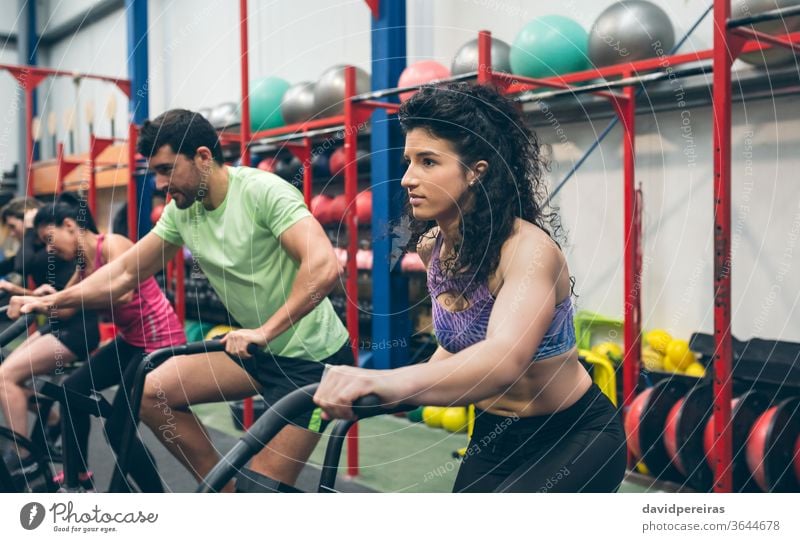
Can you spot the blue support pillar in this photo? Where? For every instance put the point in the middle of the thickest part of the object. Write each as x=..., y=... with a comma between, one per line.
x=27, y=40
x=391, y=326
x=31, y=35
x=136, y=12
x=33, y=59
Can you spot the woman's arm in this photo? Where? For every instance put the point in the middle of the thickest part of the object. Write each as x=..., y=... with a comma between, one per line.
x=60, y=313
x=520, y=317
x=11, y=288
x=109, y=284
x=439, y=355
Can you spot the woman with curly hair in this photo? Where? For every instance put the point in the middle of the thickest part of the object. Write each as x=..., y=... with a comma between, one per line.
x=502, y=305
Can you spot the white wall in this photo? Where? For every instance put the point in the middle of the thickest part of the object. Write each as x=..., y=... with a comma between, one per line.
x=99, y=48
x=52, y=13
x=12, y=101
x=194, y=46
x=675, y=169
x=8, y=18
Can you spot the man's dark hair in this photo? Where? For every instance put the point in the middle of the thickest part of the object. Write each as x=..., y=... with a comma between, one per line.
x=184, y=131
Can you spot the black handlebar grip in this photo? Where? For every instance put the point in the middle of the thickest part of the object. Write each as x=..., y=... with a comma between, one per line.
x=202, y=347
x=18, y=327
x=372, y=405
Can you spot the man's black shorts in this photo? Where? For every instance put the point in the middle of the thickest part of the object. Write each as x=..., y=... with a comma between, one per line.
x=281, y=376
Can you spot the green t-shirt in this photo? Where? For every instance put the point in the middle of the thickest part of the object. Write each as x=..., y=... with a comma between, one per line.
x=236, y=245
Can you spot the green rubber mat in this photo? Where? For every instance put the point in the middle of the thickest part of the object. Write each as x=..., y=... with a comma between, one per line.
x=394, y=454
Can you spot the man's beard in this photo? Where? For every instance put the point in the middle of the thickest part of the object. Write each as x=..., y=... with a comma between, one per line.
x=197, y=193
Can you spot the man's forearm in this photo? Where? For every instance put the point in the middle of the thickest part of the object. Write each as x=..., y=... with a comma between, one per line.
x=307, y=292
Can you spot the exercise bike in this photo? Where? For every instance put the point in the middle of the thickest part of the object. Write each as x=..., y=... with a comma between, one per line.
x=300, y=401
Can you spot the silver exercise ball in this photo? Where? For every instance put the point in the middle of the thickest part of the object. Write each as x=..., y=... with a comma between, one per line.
x=776, y=55
x=329, y=90
x=629, y=30
x=297, y=104
x=225, y=114
x=466, y=59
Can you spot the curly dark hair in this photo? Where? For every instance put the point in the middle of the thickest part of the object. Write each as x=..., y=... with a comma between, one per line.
x=482, y=124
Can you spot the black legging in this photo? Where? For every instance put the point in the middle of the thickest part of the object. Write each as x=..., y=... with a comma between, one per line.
x=579, y=449
x=115, y=363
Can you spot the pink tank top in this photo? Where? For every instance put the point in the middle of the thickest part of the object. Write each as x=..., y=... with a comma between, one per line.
x=148, y=320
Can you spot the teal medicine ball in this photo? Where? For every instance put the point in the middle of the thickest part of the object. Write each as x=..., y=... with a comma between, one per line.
x=550, y=45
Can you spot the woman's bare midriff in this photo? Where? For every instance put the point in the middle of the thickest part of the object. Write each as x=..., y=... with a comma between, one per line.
x=548, y=386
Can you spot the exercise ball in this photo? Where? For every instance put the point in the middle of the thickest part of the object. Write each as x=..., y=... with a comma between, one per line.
x=297, y=104
x=337, y=208
x=466, y=59
x=337, y=162
x=454, y=420
x=432, y=415
x=216, y=331
x=628, y=31
x=658, y=339
x=320, y=166
x=363, y=160
x=679, y=354
x=265, y=103
x=548, y=46
x=155, y=213
x=225, y=114
x=329, y=90
x=364, y=259
x=364, y=207
x=320, y=208
x=420, y=73
x=268, y=164
x=289, y=168
x=776, y=55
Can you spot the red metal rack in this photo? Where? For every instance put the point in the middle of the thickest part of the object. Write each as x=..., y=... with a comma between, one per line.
x=730, y=40
x=30, y=77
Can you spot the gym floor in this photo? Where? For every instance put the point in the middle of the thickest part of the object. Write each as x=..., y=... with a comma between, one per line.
x=394, y=454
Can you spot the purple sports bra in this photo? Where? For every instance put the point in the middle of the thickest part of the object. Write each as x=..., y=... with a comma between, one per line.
x=458, y=330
